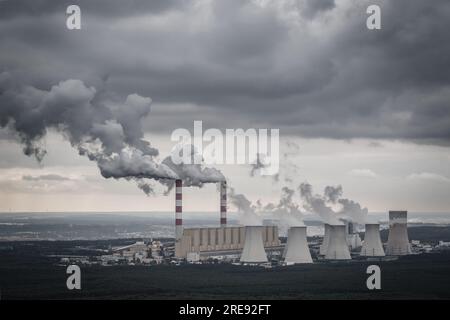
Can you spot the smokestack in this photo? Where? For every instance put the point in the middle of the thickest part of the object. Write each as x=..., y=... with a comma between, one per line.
x=337, y=246
x=398, y=242
x=372, y=246
x=223, y=204
x=253, y=251
x=178, y=209
x=297, y=250
x=326, y=239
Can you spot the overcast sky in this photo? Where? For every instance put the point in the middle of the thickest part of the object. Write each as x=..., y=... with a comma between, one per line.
x=369, y=110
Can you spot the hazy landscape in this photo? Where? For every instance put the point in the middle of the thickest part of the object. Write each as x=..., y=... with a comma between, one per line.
x=30, y=269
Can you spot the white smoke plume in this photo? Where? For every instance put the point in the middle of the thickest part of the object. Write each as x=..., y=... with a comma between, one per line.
x=317, y=204
x=192, y=174
x=101, y=127
x=323, y=205
x=286, y=210
x=248, y=215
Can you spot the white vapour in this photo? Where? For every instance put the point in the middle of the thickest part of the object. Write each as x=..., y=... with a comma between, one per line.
x=248, y=215
x=322, y=205
x=286, y=211
x=191, y=173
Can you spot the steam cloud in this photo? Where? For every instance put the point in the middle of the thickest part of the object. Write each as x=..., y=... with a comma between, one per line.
x=192, y=174
x=286, y=210
x=248, y=212
x=322, y=205
x=97, y=124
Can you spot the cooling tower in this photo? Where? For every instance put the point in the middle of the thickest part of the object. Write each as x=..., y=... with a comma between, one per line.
x=297, y=250
x=253, y=251
x=337, y=245
x=326, y=239
x=178, y=209
x=398, y=242
x=372, y=246
x=223, y=203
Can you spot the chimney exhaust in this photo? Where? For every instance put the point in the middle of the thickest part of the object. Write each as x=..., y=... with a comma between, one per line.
x=178, y=209
x=223, y=204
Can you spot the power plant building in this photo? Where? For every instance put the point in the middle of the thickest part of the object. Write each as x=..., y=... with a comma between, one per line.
x=297, y=250
x=398, y=242
x=372, y=246
x=253, y=251
x=229, y=239
x=326, y=239
x=337, y=245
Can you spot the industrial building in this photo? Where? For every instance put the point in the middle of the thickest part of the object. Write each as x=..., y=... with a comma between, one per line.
x=251, y=243
x=221, y=240
x=195, y=243
x=372, y=246
x=398, y=241
x=253, y=251
x=326, y=239
x=179, y=207
x=297, y=250
x=353, y=238
x=337, y=245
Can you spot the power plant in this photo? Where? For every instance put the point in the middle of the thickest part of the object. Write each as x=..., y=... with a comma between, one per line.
x=398, y=242
x=222, y=241
x=353, y=238
x=297, y=250
x=213, y=241
x=372, y=246
x=337, y=244
x=253, y=243
x=253, y=251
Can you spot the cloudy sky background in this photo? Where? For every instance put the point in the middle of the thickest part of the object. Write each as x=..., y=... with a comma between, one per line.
x=369, y=110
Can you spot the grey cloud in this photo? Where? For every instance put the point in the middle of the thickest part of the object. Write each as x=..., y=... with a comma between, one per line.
x=310, y=8
x=105, y=8
x=267, y=65
x=321, y=205
x=106, y=131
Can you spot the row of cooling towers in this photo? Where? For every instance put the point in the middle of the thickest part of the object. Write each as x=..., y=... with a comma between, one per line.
x=334, y=245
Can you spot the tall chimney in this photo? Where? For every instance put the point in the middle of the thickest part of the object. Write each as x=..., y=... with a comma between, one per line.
x=223, y=204
x=178, y=209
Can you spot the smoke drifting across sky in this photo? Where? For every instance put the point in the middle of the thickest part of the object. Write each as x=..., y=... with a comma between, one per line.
x=323, y=205
x=96, y=123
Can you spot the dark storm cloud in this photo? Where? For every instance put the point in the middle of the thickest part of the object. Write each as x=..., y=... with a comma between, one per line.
x=312, y=7
x=310, y=68
x=106, y=8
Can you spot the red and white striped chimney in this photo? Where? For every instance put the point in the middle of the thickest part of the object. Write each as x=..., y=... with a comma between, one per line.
x=178, y=209
x=223, y=203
